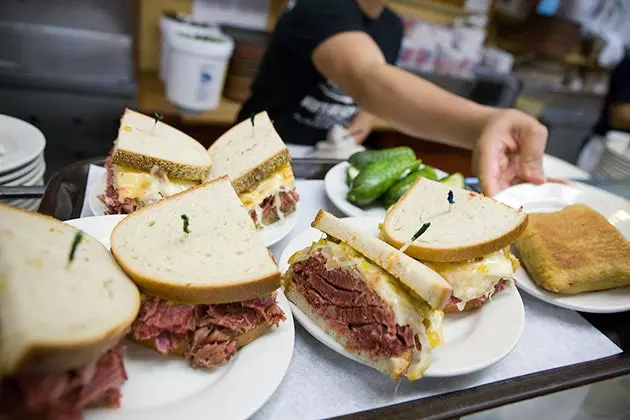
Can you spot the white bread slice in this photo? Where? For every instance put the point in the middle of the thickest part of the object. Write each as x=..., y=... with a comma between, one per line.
x=394, y=367
x=56, y=316
x=222, y=259
x=419, y=278
x=142, y=144
x=474, y=226
x=248, y=154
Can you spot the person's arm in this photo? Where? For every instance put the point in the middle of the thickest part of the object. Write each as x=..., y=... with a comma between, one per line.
x=409, y=103
x=361, y=126
x=619, y=118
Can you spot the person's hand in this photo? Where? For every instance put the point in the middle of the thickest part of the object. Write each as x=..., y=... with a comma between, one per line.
x=509, y=151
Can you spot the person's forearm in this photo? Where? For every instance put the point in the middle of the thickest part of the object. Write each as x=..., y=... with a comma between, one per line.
x=419, y=108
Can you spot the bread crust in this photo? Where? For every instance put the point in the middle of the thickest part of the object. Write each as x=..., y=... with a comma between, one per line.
x=52, y=357
x=146, y=163
x=252, y=178
x=184, y=346
x=454, y=254
x=394, y=367
x=196, y=294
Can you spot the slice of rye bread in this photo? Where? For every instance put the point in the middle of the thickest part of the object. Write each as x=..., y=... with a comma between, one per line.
x=221, y=259
x=143, y=144
x=473, y=226
x=394, y=367
x=248, y=154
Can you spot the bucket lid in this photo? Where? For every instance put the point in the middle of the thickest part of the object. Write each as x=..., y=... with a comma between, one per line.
x=202, y=42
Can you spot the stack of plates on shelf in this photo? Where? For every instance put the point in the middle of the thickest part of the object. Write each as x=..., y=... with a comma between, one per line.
x=21, y=158
x=615, y=160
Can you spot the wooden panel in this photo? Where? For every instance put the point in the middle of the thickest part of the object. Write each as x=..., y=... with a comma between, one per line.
x=430, y=11
x=147, y=34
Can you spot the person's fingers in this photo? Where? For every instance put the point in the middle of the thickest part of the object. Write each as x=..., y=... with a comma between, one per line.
x=559, y=181
x=489, y=157
x=532, y=147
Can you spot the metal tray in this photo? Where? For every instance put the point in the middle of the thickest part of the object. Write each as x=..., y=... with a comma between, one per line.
x=63, y=199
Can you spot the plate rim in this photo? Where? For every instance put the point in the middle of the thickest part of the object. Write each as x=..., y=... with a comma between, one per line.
x=269, y=390
x=308, y=324
x=539, y=293
x=38, y=138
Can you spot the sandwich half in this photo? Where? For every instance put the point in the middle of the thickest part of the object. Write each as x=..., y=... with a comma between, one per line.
x=208, y=283
x=150, y=160
x=374, y=300
x=257, y=161
x=462, y=235
x=65, y=306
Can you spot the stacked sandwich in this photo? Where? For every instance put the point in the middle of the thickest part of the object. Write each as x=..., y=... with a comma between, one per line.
x=256, y=160
x=379, y=303
x=150, y=160
x=65, y=306
x=462, y=235
x=208, y=282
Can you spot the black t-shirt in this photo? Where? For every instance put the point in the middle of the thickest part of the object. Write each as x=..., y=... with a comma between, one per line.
x=618, y=93
x=303, y=104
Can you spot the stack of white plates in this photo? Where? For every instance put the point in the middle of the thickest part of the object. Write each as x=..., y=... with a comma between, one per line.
x=615, y=160
x=21, y=158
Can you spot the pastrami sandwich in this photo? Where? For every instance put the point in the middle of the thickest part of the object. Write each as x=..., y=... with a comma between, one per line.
x=257, y=161
x=150, y=160
x=65, y=306
x=208, y=283
x=462, y=235
x=374, y=300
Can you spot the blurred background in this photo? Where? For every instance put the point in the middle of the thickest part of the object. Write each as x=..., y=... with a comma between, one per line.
x=69, y=67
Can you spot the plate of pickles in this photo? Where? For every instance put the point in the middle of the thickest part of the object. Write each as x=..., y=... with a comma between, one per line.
x=371, y=181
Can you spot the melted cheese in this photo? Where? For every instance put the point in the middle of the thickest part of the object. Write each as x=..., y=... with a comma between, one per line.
x=280, y=180
x=476, y=278
x=408, y=309
x=147, y=188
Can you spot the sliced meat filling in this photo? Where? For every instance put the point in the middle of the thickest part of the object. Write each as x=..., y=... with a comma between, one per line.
x=351, y=308
x=211, y=331
x=274, y=207
x=478, y=302
x=111, y=198
x=62, y=396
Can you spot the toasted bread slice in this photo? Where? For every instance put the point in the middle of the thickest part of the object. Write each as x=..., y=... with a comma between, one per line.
x=473, y=226
x=55, y=314
x=182, y=349
x=222, y=259
x=394, y=367
x=248, y=154
x=144, y=143
x=575, y=250
x=423, y=281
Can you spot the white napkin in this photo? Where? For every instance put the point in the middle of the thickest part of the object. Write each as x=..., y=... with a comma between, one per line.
x=339, y=144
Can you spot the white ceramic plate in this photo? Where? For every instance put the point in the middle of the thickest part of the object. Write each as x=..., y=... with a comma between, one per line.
x=168, y=388
x=554, y=197
x=25, y=170
x=558, y=168
x=32, y=178
x=337, y=190
x=270, y=235
x=20, y=143
x=472, y=339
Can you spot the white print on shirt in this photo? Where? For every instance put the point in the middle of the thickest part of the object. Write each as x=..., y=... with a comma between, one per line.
x=334, y=108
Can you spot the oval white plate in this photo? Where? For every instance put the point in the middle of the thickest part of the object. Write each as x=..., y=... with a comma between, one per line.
x=553, y=197
x=20, y=143
x=270, y=235
x=472, y=339
x=25, y=170
x=168, y=388
x=337, y=190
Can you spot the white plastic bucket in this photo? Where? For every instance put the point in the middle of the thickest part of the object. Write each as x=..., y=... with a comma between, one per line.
x=196, y=70
x=173, y=23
